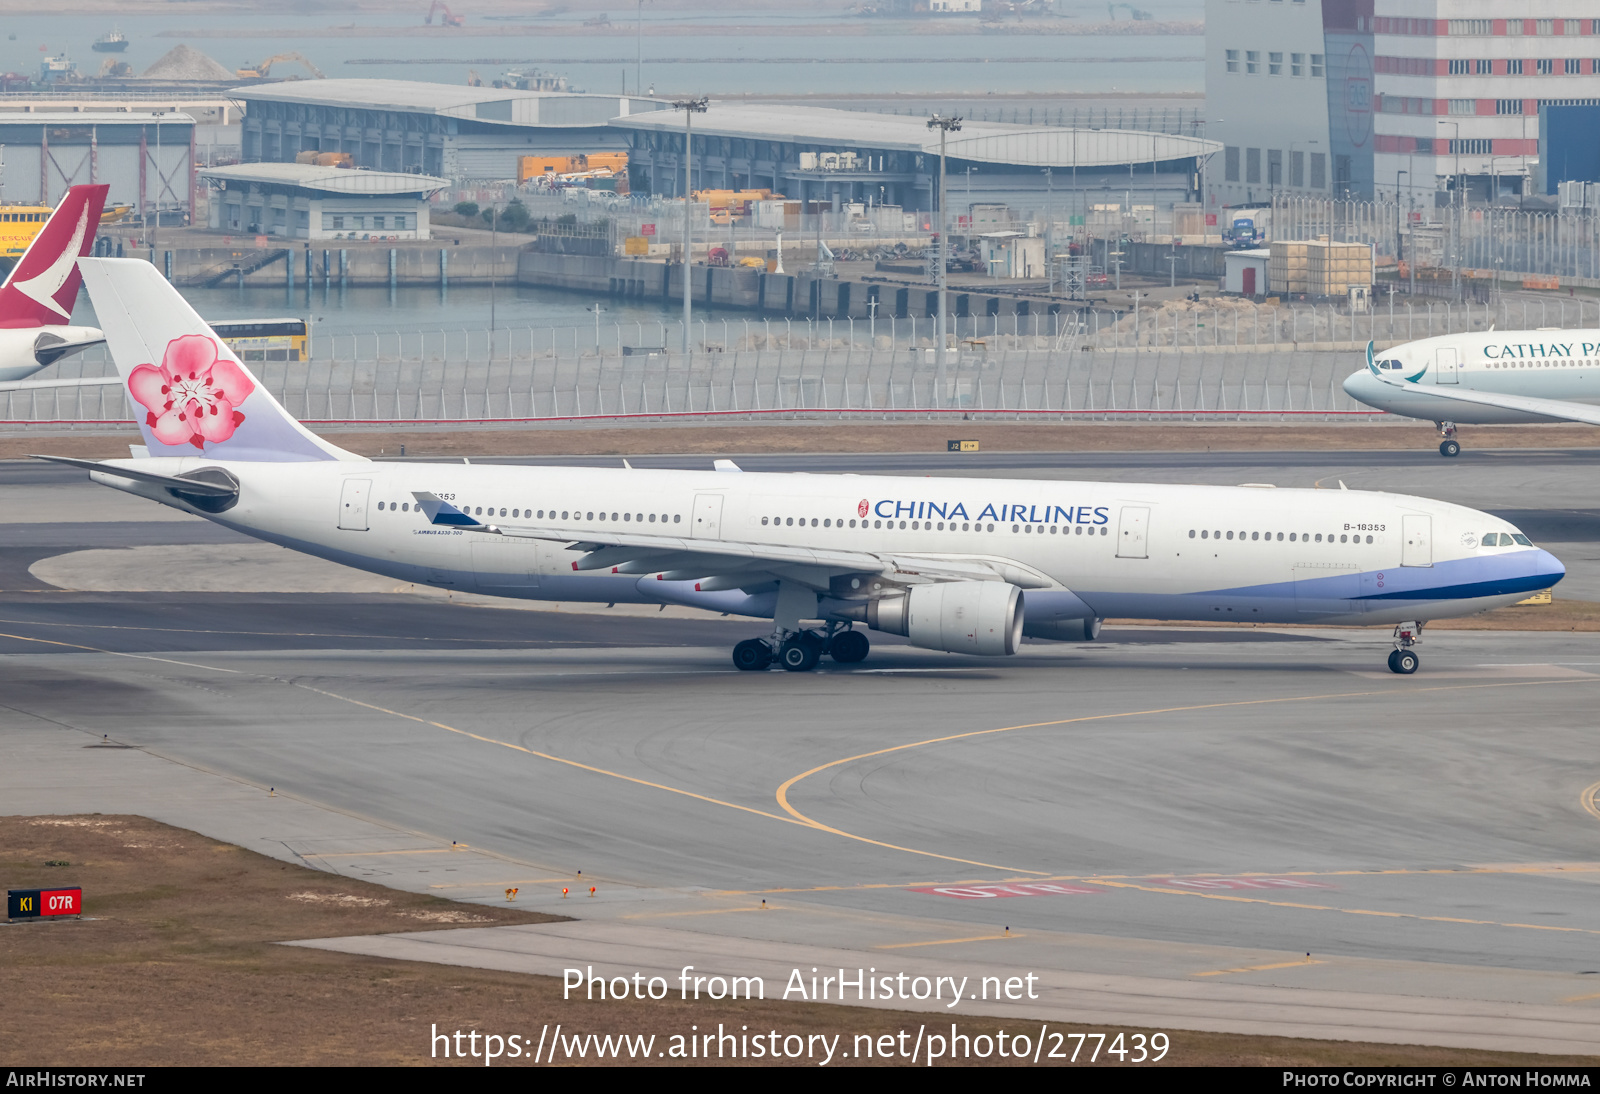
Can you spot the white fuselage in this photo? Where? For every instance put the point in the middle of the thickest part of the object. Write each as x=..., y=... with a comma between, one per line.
x=22, y=347
x=1093, y=549
x=1542, y=364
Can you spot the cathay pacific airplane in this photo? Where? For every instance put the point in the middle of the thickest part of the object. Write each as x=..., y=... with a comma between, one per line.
x=1487, y=378
x=957, y=564
x=37, y=297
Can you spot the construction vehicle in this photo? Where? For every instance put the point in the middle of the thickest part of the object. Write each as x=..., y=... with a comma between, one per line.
x=447, y=18
x=731, y=203
x=326, y=159
x=264, y=69
x=529, y=167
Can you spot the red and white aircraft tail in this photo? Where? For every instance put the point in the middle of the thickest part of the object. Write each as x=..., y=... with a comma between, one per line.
x=36, y=298
x=43, y=285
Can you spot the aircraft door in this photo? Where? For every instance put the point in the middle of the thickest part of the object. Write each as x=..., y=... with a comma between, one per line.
x=1444, y=365
x=1133, y=525
x=353, y=504
x=1416, y=540
x=707, y=516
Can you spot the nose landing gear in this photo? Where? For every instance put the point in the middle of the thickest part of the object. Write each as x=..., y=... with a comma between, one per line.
x=1449, y=447
x=1403, y=660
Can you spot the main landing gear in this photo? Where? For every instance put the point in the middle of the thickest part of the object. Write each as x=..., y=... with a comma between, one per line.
x=1403, y=659
x=1449, y=447
x=801, y=651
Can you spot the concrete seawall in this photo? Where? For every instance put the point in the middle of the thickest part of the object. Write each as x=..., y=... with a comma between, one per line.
x=361, y=265
x=797, y=295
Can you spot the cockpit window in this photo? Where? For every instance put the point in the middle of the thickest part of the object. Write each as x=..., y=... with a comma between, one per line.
x=1491, y=539
x=1520, y=538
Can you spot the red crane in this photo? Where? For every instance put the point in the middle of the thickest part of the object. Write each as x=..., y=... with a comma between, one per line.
x=447, y=17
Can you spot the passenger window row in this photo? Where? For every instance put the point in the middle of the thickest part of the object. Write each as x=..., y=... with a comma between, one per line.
x=920, y=525
x=1584, y=363
x=529, y=514
x=1294, y=537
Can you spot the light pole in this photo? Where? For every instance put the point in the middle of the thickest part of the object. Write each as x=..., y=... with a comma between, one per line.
x=690, y=108
x=155, y=232
x=1411, y=168
x=945, y=126
x=1455, y=221
x=1398, y=255
x=638, y=46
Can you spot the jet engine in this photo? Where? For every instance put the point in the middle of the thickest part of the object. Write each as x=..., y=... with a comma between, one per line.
x=978, y=617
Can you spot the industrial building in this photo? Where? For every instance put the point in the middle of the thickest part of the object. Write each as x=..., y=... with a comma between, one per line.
x=1414, y=97
x=805, y=153
x=304, y=201
x=147, y=157
x=847, y=156
x=446, y=130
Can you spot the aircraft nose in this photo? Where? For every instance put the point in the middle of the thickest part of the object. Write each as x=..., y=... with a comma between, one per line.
x=1547, y=563
x=1361, y=386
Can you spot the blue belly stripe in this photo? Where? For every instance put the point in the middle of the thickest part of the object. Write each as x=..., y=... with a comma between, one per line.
x=1470, y=590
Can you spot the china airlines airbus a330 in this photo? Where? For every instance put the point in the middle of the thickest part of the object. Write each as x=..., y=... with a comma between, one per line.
x=964, y=565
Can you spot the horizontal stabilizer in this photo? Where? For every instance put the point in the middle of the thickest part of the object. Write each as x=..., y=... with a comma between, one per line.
x=50, y=348
x=200, y=487
x=80, y=381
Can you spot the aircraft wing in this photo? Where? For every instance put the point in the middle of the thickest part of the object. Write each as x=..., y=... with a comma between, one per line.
x=733, y=563
x=1558, y=409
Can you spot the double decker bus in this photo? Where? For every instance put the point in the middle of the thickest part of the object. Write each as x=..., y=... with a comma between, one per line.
x=264, y=339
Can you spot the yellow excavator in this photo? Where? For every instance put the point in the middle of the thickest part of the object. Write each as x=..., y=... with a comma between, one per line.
x=261, y=71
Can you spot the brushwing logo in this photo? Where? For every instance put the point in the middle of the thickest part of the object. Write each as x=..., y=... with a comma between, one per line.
x=44, y=287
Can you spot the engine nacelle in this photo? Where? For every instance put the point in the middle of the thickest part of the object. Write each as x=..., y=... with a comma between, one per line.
x=978, y=617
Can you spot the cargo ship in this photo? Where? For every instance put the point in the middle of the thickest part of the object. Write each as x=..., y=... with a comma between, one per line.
x=115, y=42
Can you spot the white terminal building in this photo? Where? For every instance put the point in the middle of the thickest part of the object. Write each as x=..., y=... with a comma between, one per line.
x=304, y=201
x=1373, y=98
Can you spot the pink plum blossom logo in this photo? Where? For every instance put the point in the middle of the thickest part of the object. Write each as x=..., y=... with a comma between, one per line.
x=192, y=397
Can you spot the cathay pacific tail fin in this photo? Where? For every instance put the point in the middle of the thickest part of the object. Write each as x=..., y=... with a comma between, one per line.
x=189, y=392
x=43, y=285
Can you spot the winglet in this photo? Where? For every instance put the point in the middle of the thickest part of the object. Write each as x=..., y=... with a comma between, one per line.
x=725, y=465
x=1371, y=364
x=442, y=512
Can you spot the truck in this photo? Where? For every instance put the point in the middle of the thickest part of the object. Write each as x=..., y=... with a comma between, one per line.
x=1247, y=226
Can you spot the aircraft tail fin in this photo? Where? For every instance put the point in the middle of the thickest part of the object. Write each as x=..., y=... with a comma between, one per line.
x=188, y=390
x=43, y=285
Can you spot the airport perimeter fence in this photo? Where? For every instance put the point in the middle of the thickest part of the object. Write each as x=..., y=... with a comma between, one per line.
x=1232, y=362
x=1484, y=241
x=838, y=383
